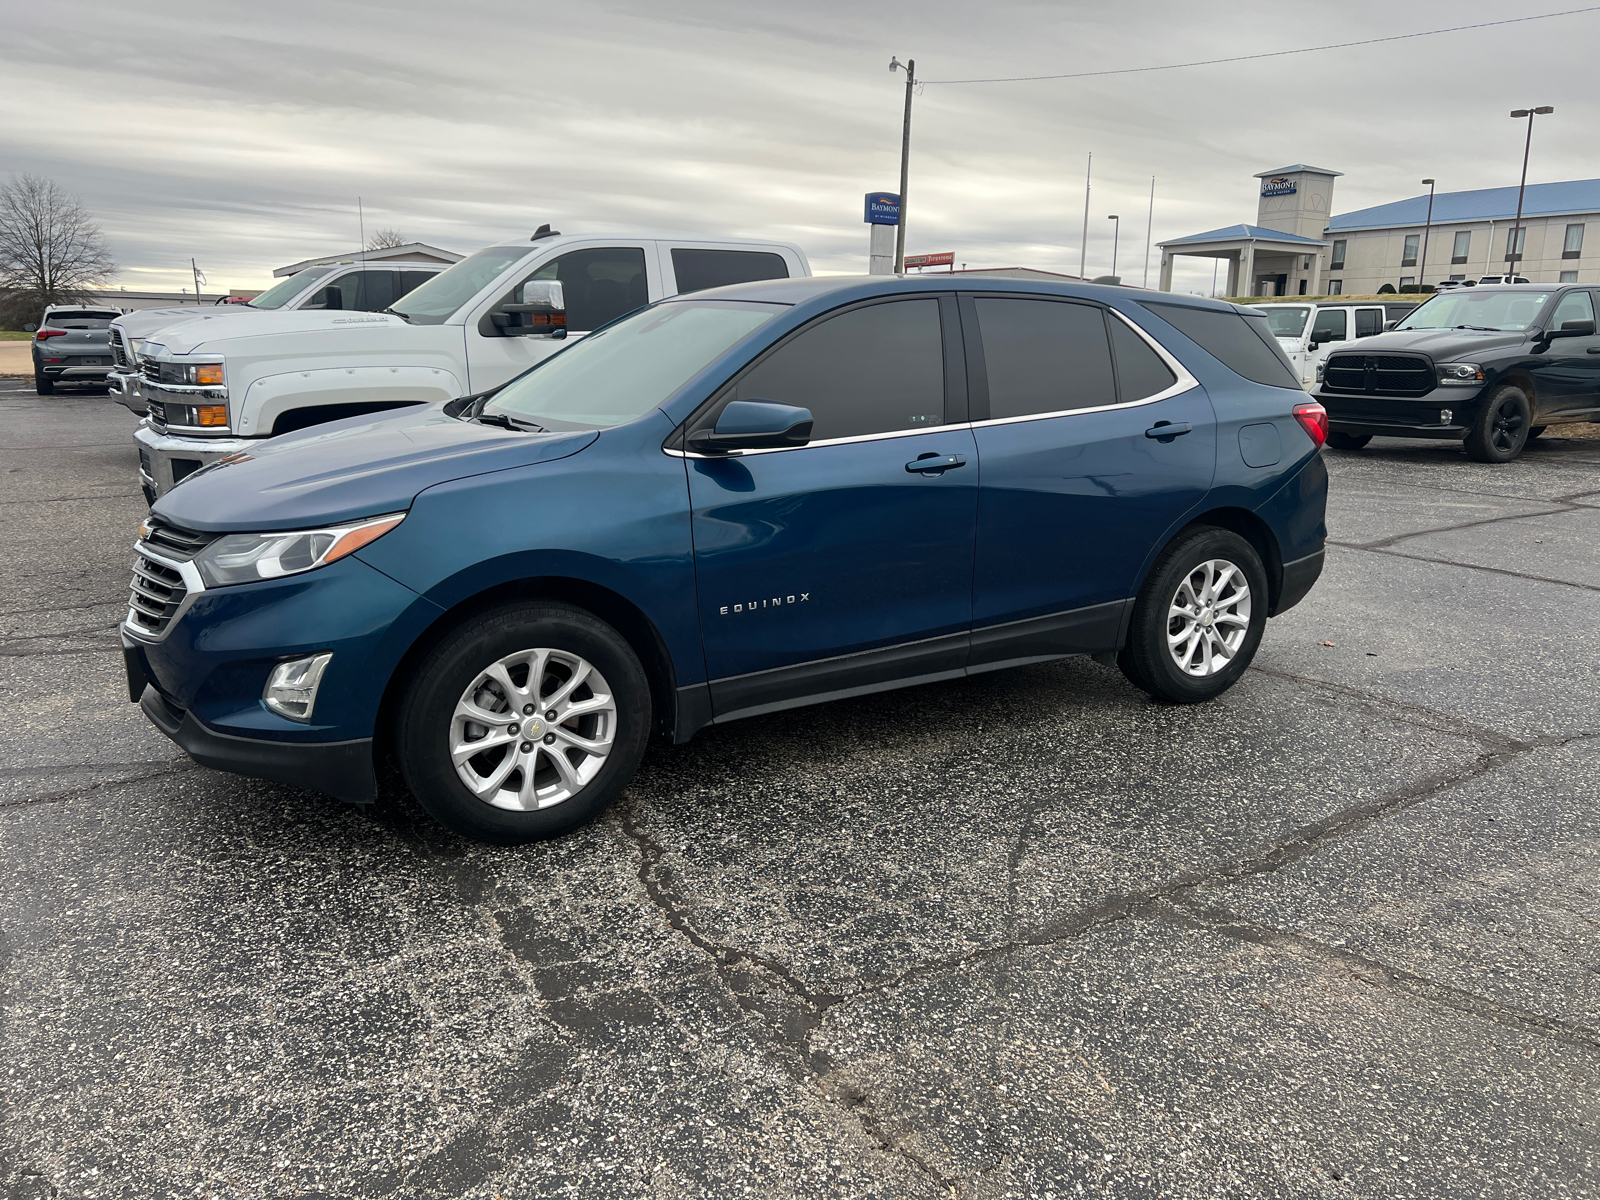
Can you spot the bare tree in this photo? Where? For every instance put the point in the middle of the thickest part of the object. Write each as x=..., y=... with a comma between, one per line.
x=51, y=250
x=384, y=239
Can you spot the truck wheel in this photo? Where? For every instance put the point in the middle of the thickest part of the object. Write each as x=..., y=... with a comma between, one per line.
x=524, y=723
x=43, y=385
x=1501, y=430
x=1348, y=441
x=1198, y=619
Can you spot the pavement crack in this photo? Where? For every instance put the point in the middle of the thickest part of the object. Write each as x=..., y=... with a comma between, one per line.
x=1449, y=562
x=176, y=767
x=1380, y=974
x=1383, y=543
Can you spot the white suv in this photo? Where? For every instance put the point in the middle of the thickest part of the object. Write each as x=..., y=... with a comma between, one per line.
x=1309, y=330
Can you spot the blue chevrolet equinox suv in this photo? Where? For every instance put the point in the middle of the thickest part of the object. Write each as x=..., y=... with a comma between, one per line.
x=727, y=504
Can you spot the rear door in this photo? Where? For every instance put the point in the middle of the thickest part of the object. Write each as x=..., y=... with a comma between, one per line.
x=1337, y=322
x=1079, y=484
x=694, y=268
x=1369, y=322
x=842, y=566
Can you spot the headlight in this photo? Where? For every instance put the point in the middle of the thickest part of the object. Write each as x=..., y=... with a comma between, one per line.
x=249, y=557
x=1460, y=374
x=1322, y=368
x=192, y=374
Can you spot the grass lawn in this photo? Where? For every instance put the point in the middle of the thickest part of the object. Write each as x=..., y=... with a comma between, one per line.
x=14, y=335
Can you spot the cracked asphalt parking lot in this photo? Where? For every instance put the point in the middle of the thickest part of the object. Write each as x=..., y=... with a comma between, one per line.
x=1027, y=935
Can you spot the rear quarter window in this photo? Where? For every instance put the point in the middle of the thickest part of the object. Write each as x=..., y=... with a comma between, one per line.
x=1233, y=340
x=697, y=270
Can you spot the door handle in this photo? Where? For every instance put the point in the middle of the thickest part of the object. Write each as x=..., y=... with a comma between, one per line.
x=1168, y=429
x=935, y=462
x=1594, y=350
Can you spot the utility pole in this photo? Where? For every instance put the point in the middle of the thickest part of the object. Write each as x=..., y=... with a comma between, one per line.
x=1148, y=225
x=910, y=68
x=1422, y=265
x=1083, y=250
x=1515, y=252
x=196, y=270
x=1116, y=236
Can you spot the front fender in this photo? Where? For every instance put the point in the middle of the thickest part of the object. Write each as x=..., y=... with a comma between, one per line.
x=270, y=396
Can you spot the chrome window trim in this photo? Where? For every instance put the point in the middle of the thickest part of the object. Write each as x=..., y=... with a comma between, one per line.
x=191, y=580
x=844, y=441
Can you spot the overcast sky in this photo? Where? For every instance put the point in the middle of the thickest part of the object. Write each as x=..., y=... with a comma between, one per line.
x=242, y=134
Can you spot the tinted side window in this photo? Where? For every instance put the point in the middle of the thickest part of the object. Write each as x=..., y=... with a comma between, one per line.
x=697, y=270
x=409, y=280
x=1231, y=339
x=1335, y=319
x=878, y=369
x=1369, y=321
x=377, y=291
x=341, y=294
x=1574, y=306
x=1140, y=371
x=1044, y=356
x=599, y=285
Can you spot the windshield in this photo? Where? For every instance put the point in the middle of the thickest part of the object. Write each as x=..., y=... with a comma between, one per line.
x=280, y=294
x=1461, y=308
x=625, y=370
x=1287, y=322
x=435, y=301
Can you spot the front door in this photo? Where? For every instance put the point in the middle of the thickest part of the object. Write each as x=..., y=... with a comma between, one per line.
x=1567, y=374
x=841, y=566
x=600, y=284
x=1079, y=485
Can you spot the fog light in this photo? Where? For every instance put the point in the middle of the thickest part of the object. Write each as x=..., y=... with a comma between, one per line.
x=292, y=687
x=1445, y=414
x=211, y=414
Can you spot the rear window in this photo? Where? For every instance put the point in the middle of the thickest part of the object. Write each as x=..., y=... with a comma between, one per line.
x=697, y=270
x=1233, y=340
x=62, y=319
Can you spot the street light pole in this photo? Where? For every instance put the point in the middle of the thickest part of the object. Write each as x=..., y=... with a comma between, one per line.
x=1515, y=252
x=1422, y=267
x=1148, y=225
x=1083, y=249
x=910, y=68
x=1116, y=234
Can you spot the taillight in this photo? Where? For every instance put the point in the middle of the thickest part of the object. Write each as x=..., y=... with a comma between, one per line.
x=1313, y=419
x=43, y=334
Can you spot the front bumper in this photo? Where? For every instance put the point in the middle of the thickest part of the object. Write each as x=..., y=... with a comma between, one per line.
x=1387, y=416
x=165, y=458
x=124, y=388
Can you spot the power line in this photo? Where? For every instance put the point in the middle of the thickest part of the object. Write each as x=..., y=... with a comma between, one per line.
x=1207, y=62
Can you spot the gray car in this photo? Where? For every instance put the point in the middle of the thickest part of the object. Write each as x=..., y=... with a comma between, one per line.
x=72, y=345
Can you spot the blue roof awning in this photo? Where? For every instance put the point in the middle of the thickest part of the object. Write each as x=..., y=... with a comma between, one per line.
x=1241, y=233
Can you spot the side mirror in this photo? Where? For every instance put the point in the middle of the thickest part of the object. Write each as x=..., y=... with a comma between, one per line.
x=29, y=327
x=1576, y=329
x=1321, y=337
x=754, y=425
x=1388, y=325
x=540, y=312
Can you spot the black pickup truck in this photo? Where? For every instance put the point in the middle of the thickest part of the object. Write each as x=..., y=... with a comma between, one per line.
x=1488, y=366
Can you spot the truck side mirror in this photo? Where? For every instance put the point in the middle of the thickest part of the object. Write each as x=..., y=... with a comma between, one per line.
x=1388, y=325
x=1571, y=329
x=541, y=311
x=753, y=425
x=1321, y=337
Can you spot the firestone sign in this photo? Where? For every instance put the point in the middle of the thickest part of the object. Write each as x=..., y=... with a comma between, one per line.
x=883, y=208
x=1278, y=187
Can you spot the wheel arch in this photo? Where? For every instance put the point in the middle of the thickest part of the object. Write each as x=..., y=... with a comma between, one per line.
x=1252, y=529
x=611, y=607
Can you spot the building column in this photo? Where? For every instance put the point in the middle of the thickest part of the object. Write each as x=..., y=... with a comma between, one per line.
x=1232, y=286
x=1247, y=268
x=1166, y=272
x=1316, y=274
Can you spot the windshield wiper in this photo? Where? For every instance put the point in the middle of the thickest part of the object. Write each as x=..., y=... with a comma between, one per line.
x=397, y=313
x=511, y=423
x=1482, y=328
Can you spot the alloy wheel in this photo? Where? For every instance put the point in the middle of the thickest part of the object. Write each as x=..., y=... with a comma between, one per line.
x=1508, y=423
x=1208, y=617
x=533, y=729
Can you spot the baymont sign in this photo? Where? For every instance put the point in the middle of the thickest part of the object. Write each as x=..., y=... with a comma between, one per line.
x=1278, y=187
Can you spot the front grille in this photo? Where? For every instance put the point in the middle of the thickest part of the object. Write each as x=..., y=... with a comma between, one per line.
x=158, y=413
x=119, y=349
x=151, y=370
x=158, y=590
x=1378, y=374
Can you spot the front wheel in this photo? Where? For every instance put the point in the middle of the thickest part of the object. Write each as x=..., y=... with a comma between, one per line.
x=1502, y=427
x=524, y=723
x=1348, y=441
x=1198, y=619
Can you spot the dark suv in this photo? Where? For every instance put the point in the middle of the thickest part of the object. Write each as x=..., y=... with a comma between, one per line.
x=723, y=505
x=1488, y=366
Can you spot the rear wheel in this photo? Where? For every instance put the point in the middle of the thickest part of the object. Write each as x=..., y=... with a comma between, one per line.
x=1198, y=619
x=1348, y=441
x=1502, y=427
x=524, y=723
x=43, y=385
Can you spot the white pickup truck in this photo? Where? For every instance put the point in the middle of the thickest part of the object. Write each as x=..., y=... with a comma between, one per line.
x=216, y=385
x=360, y=285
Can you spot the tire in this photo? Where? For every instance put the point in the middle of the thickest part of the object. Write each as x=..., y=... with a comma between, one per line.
x=1348, y=441
x=1194, y=564
x=43, y=385
x=1502, y=427
x=468, y=672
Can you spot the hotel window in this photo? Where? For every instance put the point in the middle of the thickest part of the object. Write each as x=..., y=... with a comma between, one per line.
x=1457, y=278
x=1569, y=277
x=1462, y=246
x=1335, y=287
x=1336, y=263
x=1407, y=281
x=1519, y=235
x=1408, y=257
x=1573, y=246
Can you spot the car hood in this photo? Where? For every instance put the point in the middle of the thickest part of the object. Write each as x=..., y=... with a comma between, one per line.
x=345, y=470
x=1441, y=345
x=223, y=324
x=141, y=323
